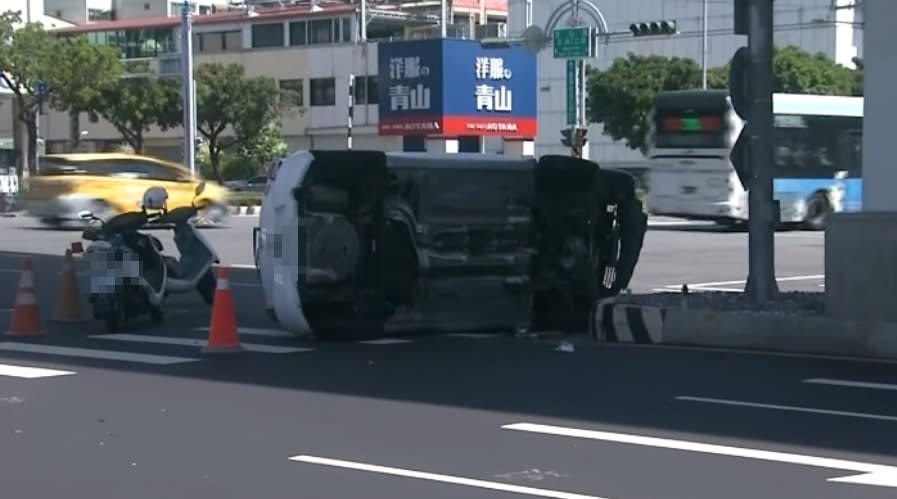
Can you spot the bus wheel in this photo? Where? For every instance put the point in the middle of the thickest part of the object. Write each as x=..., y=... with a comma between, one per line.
x=818, y=210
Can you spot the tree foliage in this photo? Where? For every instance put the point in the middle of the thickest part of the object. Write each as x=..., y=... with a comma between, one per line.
x=228, y=100
x=620, y=96
x=250, y=159
x=133, y=105
x=71, y=69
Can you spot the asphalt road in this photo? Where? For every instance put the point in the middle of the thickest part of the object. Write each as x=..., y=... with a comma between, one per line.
x=87, y=414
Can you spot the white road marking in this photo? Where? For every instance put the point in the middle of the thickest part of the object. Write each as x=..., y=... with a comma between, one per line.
x=788, y=408
x=254, y=331
x=30, y=372
x=724, y=285
x=872, y=474
x=742, y=351
x=852, y=384
x=192, y=342
x=385, y=341
x=434, y=477
x=140, y=358
x=730, y=283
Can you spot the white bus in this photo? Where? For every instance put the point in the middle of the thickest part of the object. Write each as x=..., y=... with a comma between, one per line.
x=817, y=148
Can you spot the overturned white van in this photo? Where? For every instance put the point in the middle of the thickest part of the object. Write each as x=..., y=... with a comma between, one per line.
x=350, y=243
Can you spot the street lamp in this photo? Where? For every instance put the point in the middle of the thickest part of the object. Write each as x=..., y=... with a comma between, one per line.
x=189, y=86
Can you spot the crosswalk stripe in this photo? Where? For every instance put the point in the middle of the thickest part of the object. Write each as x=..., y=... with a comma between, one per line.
x=255, y=331
x=385, y=341
x=87, y=353
x=191, y=342
x=30, y=372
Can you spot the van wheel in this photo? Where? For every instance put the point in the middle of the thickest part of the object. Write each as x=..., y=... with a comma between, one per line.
x=818, y=210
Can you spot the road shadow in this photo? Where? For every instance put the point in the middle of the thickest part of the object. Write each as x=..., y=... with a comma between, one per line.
x=595, y=385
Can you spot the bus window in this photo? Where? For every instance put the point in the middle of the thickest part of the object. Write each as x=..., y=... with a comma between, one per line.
x=814, y=146
x=681, y=129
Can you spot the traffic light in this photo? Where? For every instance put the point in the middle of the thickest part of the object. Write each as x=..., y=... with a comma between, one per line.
x=567, y=137
x=575, y=139
x=654, y=28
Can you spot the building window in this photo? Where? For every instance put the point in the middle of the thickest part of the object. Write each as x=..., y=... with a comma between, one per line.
x=299, y=33
x=293, y=91
x=323, y=91
x=267, y=35
x=95, y=15
x=321, y=31
x=223, y=41
x=136, y=43
x=366, y=90
x=346, y=31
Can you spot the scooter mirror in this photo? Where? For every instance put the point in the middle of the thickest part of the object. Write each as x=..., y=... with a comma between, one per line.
x=85, y=215
x=200, y=188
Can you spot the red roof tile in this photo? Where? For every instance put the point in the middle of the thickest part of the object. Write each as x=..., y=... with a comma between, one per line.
x=269, y=14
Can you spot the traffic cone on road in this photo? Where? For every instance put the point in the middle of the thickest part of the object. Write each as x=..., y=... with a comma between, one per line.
x=26, y=314
x=223, y=337
x=68, y=308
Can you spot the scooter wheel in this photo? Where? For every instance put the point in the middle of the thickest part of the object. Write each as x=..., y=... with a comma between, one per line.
x=115, y=318
x=207, y=286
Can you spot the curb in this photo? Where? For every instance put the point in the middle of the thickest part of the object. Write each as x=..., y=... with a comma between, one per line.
x=801, y=334
x=241, y=210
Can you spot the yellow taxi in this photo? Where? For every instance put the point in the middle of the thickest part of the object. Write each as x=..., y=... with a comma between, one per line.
x=112, y=183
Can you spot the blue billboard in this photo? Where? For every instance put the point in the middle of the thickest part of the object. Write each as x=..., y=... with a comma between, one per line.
x=454, y=87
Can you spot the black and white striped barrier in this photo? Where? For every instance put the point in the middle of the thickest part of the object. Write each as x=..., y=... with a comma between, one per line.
x=245, y=210
x=626, y=323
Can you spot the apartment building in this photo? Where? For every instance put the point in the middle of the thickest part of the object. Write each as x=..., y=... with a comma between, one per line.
x=310, y=47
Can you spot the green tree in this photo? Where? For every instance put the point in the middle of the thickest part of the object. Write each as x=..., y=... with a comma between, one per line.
x=798, y=71
x=70, y=68
x=620, y=97
x=257, y=154
x=135, y=104
x=229, y=101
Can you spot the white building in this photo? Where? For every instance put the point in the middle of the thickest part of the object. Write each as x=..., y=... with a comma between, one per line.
x=833, y=27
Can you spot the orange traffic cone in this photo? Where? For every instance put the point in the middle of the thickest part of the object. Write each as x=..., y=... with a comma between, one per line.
x=68, y=308
x=26, y=314
x=223, y=337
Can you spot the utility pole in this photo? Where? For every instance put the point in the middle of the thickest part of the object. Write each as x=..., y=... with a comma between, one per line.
x=444, y=18
x=189, y=87
x=704, y=45
x=763, y=210
x=364, y=21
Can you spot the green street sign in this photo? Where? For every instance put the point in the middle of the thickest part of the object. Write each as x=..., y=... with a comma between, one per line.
x=571, y=92
x=573, y=43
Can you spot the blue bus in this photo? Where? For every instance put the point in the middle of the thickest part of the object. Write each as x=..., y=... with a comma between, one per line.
x=817, y=147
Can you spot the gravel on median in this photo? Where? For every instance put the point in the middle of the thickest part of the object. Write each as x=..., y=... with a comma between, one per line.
x=790, y=302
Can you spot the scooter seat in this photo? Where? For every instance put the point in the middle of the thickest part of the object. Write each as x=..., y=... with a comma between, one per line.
x=177, y=216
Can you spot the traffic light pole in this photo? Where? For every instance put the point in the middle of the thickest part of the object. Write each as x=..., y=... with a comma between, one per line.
x=763, y=217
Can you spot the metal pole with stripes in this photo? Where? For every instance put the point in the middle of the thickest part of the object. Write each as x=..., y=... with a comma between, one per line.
x=351, y=110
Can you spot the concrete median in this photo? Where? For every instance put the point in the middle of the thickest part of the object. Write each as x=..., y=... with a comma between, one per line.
x=616, y=322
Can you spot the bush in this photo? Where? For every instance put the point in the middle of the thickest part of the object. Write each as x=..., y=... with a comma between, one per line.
x=245, y=198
